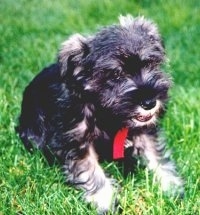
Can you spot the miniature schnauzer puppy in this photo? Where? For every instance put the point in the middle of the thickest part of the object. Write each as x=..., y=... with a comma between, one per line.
x=104, y=95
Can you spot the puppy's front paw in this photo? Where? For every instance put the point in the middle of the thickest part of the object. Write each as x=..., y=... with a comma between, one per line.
x=173, y=186
x=105, y=198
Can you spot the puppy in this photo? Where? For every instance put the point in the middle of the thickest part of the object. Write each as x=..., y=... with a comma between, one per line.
x=104, y=95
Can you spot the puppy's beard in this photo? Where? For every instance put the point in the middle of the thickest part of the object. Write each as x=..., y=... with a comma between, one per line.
x=144, y=117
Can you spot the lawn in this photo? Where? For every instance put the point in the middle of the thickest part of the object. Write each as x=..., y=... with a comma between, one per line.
x=31, y=33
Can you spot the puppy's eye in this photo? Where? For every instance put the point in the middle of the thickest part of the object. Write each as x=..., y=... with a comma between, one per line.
x=118, y=74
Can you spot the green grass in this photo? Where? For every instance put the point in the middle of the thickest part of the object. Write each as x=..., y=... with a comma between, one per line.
x=31, y=33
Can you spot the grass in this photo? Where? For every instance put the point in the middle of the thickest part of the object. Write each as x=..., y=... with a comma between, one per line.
x=31, y=32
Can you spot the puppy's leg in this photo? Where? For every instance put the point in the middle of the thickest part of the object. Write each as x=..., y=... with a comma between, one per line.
x=158, y=161
x=85, y=172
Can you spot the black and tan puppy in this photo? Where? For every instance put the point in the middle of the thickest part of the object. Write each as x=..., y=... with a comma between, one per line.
x=104, y=88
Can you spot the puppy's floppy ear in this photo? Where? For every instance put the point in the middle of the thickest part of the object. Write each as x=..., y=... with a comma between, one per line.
x=148, y=42
x=71, y=53
x=141, y=24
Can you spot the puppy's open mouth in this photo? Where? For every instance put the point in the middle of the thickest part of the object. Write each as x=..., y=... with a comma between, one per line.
x=142, y=118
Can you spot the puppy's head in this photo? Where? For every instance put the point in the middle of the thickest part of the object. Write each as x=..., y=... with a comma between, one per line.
x=120, y=67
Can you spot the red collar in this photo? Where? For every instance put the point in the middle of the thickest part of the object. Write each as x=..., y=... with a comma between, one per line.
x=118, y=143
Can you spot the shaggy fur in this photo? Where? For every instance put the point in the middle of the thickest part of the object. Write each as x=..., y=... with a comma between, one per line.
x=100, y=84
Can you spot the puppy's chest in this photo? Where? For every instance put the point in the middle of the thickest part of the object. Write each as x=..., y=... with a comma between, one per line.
x=113, y=146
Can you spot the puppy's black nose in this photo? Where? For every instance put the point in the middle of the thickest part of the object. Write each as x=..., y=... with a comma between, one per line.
x=148, y=104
